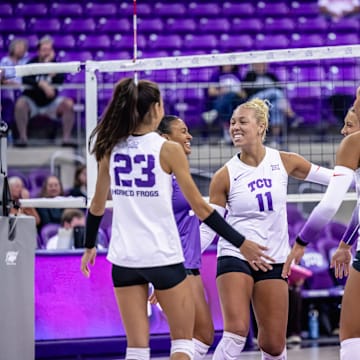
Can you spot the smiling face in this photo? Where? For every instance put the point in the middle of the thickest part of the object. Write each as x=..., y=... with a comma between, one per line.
x=53, y=187
x=244, y=127
x=179, y=133
x=351, y=123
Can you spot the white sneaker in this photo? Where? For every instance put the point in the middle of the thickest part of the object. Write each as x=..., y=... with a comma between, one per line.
x=293, y=339
x=210, y=116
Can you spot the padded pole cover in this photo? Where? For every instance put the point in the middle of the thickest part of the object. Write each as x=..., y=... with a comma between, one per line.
x=17, y=259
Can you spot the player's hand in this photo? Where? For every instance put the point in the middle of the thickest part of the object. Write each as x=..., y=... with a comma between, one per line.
x=296, y=253
x=88, y=258
x=254, y=254
x=341, y=259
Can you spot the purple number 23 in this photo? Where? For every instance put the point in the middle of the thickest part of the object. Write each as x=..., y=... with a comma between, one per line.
x=128, y=164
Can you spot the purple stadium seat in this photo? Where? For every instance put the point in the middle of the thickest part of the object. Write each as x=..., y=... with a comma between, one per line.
x=164, y=42
x=238, y=9
x=64, y=42
x=307, y=73
x=345, y=25
x=218, y=25
x=344, y=73
x=126, y=42
x=112, y=55
x=32, y=9
x=235, y=42
x=184, y=26
x=149, y=53
x=36, y=179
x=168, y=9
x=114, y=25
x=46, y=232
x=301, y=8
x=275, y=9
x=246, y=25
x=196, y=74
x=44, y=25
x=153, y=25
x=307, y=102
x=206, y=42
x=66, y=9
x=81, y=55
x=281, y=71
x=12, y=25
x=312, y=25
x=203, y=9
x=6, y=9
x=342, y=39
x=162, y=76
x=79, y=25
x=279, y=25
x=269, y=42
x=142, y=9
x=95, y=9
x=92, y=42
x=32, y=40
x=306, y=40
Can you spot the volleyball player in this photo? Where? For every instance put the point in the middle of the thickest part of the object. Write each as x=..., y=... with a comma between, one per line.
x=347, y=167
x=173, y=128
x=137, y=164
x=252, y=186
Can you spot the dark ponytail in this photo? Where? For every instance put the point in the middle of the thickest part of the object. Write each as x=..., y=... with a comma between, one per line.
x=124, y=113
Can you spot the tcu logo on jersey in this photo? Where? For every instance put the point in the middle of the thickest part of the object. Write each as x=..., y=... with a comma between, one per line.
x=259, y=184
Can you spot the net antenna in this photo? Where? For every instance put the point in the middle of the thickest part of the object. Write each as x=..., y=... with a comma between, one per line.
x=136, y=75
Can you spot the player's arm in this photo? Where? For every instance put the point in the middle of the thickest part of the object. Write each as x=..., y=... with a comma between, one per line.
x=302, y=169
x=218, y=191
x=97, y=206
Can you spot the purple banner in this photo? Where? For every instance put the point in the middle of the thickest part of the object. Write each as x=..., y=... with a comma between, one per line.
x=70, y=306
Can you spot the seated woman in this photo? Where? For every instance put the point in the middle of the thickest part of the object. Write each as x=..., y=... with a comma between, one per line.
x=51, y=188
x=17, y=192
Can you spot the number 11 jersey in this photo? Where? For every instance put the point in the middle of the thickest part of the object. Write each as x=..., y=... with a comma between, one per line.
x=257, y=205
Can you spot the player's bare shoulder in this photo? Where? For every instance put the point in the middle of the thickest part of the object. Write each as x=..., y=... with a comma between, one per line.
x=348, y=153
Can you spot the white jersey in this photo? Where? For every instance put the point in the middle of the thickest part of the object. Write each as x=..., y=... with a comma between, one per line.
x=144, y=231
x=257, y=205
x=357, y=182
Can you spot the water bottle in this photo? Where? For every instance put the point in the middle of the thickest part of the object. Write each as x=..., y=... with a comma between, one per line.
x=10, y=139
x=313, y=324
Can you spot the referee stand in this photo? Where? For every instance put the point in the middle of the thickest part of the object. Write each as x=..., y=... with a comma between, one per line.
x=17, y=261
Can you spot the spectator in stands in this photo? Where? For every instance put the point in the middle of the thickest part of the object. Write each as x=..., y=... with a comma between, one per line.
x=337, y=9
x=80, y=182
x=263, y=84
x=17, y=192
x=224, y=95
x=70, y=218
x=18, y=55
x=71, y=233
x=42, y=97
x=52, y=187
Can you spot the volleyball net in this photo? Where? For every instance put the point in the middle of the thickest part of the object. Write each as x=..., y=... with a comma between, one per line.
x=319, y=84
